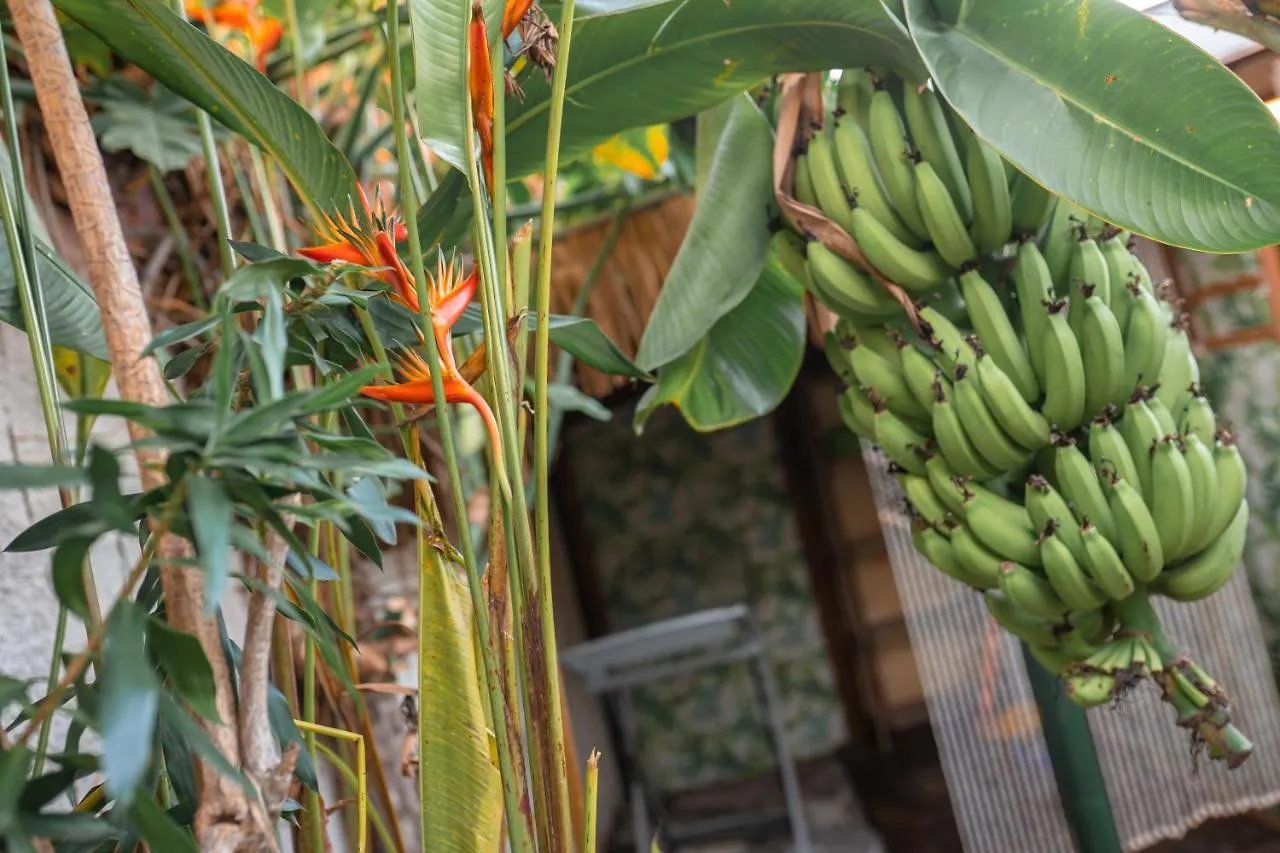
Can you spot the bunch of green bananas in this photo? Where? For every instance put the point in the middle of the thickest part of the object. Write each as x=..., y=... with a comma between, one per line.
x=1041, y=409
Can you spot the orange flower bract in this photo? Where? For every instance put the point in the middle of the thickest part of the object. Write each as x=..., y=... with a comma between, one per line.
x=263, y=32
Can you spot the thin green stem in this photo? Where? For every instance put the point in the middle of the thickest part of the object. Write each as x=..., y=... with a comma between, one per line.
x=498, y=192
x=295, y=44
x=511, y=785
x=22, y=253
x=256, y=229
x=541, y=407
x=344, y=769
x=367, y=88
x=190, y=271
x=315, y=816
x=591, y=796
x=275, y=222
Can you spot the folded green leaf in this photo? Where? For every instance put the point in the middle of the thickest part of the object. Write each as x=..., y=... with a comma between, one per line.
x=1116, y=113
x=182, y=658
x=723, y=251
x=209, y=509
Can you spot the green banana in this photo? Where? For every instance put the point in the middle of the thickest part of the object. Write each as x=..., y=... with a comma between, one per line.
x=1116, y=255
x=932, y=136
x=922, y=496
x=1104, y=564
x=1045, y=506
x=992, y=207
x=893, y=156
x=1164, y=417
x=805, y=193
x=1080, y=486
x=1204, y=491
x=856, y=167
x=832, y=198
x=1209, y=571
x=999, y=451
x=1001, y=525
x=1109, y=452
x=1091, y=690
x=1027, y=427
x=885, y=377
x=975, y=558
x=1066, y=575
x=946, y=229
x=1066, y=228
x=1064, y=381
x=1034, y=287
x=920, y=373
x=1088, y=267
x=917, y=270
x=1102, y=349
x=1180, y=371
x=838, y=358
x=951, y=439
x=952, y=347
x=877, y=338
x=1232, y=480
x=999, y=338
x=1171, y=500
x=1032, y=206
x=1139, y=538
x=1028, y=591
x=1197, y=417
x=844, y=288
x=1036, y=633
x=857, y=413
x=949, y=486
x=940, y=553
x=899, y=440
x=853, y=94
x=1145, y=338
x=1141, y=430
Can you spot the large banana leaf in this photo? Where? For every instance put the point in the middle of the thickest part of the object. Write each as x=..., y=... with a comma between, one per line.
x=440, y=66
x=1112, y=110
x=460, y=787
x=231, y=91
x=640, y=62
x=723, y=251
x=73, y=316
x=746, y=363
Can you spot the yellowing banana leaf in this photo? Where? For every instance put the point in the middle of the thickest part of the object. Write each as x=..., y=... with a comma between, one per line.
x=457, y=771
x=641, y=152
x=81, y=375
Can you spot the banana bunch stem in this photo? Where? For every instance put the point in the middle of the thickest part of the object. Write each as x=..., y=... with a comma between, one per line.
x=1200, y=702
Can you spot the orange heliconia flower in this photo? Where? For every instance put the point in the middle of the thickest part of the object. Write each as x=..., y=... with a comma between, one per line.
x=514, y=11
x=262, y=31
x=480, y=82
x=449, y=294
x=371, y=249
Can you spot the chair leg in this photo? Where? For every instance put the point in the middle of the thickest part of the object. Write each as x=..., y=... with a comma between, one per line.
x=768, y=692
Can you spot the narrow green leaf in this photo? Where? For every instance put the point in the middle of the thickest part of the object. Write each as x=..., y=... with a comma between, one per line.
x=178, y=764
x=231, y=91
x=209, y=508
x=77, y=520
x=255, y=281
x=127, y=716
x=158, y=829
x=197, y=741
x=19, y=476
x=641, y=63
x=177, y=334
x=14, y=762
x=286, y=732
x=12, y=690
x=70, y=828
x=180, y=365
x=440, y=67
x=446, y=216
x=745, y=365
x=182, y=658
x=724, y=248
x=1112, y=110
x=68, y=575
x=271, y=336
x=578, y=336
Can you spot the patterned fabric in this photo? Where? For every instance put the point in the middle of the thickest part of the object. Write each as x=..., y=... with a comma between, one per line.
x=681, y=522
